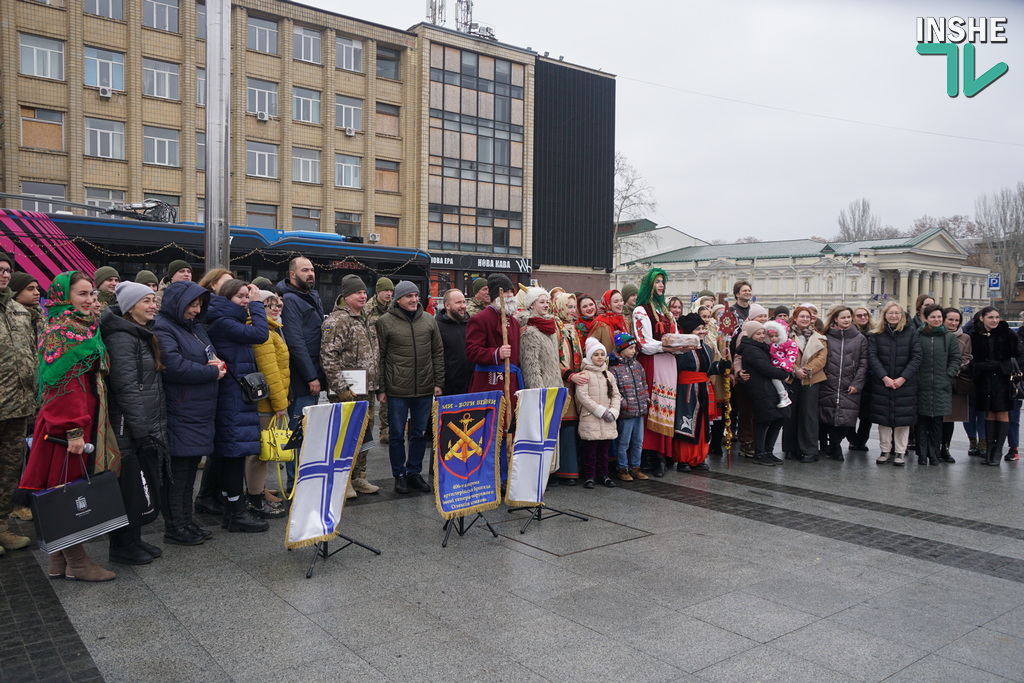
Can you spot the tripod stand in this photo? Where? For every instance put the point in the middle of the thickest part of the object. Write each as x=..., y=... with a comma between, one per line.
x=321, y=550
x=537, y=514
x=458, y=524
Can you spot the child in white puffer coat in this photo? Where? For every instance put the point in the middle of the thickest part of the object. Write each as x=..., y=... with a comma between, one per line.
x=599, y=402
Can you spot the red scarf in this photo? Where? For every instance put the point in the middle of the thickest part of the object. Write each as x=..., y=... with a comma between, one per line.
x=616, y=323
x=545, y=325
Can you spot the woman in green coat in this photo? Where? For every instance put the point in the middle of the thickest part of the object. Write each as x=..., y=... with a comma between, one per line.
x=940, y=362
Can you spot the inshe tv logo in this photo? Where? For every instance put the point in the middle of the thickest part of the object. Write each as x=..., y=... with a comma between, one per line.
x=942, y=37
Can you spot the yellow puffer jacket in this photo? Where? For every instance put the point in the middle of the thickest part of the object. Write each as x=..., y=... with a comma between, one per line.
x=272, y=361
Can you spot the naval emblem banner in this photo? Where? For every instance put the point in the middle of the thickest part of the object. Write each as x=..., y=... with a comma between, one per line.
x=538, y=417
x=333, y=433
x=466, y=436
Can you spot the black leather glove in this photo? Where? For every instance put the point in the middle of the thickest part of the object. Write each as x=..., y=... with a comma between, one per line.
x=724, y=365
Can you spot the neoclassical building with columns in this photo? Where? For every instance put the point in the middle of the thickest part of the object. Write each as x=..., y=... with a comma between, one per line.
x=865, y=273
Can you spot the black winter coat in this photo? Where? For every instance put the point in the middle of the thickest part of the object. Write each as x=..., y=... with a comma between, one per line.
x=894, y=354
x=189, y=383
x=238, y=423
x=991, y=366
x=302, y=317
x=137, y=407
x=846, y=366
x=457, y=368
x=758, y=362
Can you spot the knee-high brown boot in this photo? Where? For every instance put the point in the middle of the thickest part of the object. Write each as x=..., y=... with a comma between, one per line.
x=82, y=568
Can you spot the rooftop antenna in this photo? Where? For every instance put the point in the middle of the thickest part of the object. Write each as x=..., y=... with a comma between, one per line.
x=464, y=21
x=435, y=12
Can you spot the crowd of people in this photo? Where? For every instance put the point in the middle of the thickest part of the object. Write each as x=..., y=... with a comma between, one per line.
x=150, y=375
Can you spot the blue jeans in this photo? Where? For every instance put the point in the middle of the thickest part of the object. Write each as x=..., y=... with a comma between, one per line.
x=294, y=418
x=417, y=412
x=975, y=425
x=1013, y=436
x=631, y=439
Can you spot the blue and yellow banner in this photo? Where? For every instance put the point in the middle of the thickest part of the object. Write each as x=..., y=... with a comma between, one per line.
x=538, y=418
x=467, y=430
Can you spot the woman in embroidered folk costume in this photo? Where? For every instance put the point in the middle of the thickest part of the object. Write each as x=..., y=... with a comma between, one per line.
x=611, y=322
x=538, y=344
x=570, y=363
x=72, y=360
x=652, y=320
x=696, y=403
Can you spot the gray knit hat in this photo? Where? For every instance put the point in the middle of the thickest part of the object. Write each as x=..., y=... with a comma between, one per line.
x=405, y=288
x=351, y=284
x=130, y=293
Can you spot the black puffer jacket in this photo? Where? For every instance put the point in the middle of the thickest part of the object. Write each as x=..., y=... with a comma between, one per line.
x=991, y=366
x=758, y=362
x=894, y=354
x=457, y=368
x=302, y=317
x=137, y=406
x=846, y=366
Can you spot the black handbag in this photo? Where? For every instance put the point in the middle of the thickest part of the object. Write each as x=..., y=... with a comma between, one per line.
x=253, y=386
x=963, y=384
x=75, y=512
x=1016, y=381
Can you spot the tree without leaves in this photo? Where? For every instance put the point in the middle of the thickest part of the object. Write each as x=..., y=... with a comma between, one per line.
x=749, y=239
x=1000, y=220
x=857, y=222
x=958, y=226
x=634, y=199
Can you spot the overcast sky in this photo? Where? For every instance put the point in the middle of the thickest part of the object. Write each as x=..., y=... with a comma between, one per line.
x=725, y=169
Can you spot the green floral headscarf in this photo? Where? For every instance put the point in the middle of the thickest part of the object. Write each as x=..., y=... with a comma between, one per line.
x=647, y=295
x=70, y=345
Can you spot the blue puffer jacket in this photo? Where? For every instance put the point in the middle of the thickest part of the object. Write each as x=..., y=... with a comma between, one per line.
x=233, y=334
x=302, y=317
x=190, y=385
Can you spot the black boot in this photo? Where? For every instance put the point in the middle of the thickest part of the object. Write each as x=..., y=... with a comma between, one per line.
x=991, y=451
x=944, y=454
x=239, y=518
x=661, y=465
x=123, y=549
x=210, y=501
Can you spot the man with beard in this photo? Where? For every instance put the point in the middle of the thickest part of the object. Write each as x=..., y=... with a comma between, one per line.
x=452, y=323
x=302, y=317
x=481, y=297
x=744, y=293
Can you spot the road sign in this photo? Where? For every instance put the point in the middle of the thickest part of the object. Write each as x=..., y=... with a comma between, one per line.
x=693, y=297
x=994, y=281
x=968, y=309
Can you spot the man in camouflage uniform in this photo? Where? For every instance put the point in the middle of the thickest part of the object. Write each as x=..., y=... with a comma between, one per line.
x=106, y=280
x=17, y=396
x=349, y=342
x=378, y=306
x=481, y=299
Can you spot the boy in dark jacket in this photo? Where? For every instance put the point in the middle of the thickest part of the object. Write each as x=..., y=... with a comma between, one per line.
x=636, y=401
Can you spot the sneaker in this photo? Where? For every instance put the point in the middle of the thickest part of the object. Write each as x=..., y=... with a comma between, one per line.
x=361, y=485
x=401, y=484
x=417, y=482
x=784, y=401
x=747, y=449
x=588, y=484
x=777, y=460
x=623, y=474
x=350, y=492
x=608, y=482
x=1011, y=455
x=182, y=536
x=638, y=474
x=22, y=513
x=884, y=458
x=12, y=541
x=899, y=459
x=763, y=459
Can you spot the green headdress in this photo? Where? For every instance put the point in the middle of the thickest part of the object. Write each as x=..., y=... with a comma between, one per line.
x=647, y=295
x=70, y=345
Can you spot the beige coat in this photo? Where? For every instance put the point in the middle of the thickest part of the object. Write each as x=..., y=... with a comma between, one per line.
x=593, y=402
x=813, y=356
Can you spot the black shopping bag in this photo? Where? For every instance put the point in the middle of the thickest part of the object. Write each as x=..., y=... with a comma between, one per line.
x=73, y=513
x=140, y=488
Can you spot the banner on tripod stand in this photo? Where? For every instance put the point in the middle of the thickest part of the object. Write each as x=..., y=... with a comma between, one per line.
x=467, y=430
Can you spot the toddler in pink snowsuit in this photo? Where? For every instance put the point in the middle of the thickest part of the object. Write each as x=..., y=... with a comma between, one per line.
x=785, y=354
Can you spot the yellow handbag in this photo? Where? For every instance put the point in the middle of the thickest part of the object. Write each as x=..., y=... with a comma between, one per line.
x=273, y=440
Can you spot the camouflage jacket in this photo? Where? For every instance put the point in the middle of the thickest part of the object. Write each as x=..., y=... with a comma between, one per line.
x=473, y=306
x=17, y=359
x=375, y=309
x=106, y=299
x=349, y=342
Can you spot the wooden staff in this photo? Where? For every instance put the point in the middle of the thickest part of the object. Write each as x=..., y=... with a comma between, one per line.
x=508, y=362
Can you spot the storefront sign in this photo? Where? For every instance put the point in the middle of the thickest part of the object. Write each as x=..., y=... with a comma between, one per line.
x=475, y=262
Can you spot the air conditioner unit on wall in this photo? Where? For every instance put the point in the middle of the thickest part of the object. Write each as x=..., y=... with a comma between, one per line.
x=106, y=91
x=262, y=116
x=374, y=237
x=350, y=131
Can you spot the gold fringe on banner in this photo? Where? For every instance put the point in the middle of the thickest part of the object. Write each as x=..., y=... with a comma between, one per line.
x=483, y=507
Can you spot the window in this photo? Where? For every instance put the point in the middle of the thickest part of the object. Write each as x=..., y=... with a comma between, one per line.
x=159, y=79
x=111, y=9
x=261, y=96
x=347, y=171
x=201, y=87
x=502, y=71
x=306, y=44
x=502, y=109
x=305, y=165
x=104, y=198
x=43, y=191
x=261, y=159
x=305, y=219
x=306, y=105
x=348, y=112
x=42, y=57
x=350, y=54
x=201, y=21
x=42, y=129
x=104, y=138
x=261, y=216
x=200, y=209
x=348, y=224
x=387, y=119
x=263, y=35
x=200, y=151
x=388, y=63
x=492, y=151
x=161, y=14
x=104, y=68
x=387, y=176
x=160, y=146
x=387, y=227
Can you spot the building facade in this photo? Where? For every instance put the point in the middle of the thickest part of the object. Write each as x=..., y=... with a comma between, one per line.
x=868, y=273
